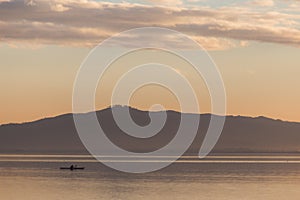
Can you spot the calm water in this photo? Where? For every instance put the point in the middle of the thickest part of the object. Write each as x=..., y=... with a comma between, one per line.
x=217, y=177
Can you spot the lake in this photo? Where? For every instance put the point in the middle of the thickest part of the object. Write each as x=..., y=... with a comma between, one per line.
x=234, y=177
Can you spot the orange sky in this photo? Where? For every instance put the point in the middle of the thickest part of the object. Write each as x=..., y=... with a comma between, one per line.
x=39, y=57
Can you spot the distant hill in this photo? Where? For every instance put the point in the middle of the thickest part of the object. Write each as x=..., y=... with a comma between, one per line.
x=240, y=134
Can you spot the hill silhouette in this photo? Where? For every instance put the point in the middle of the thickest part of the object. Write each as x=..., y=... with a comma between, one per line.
x=240, y=134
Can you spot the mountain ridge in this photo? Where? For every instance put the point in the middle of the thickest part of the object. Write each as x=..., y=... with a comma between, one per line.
x=59, y=115
x=240, y=134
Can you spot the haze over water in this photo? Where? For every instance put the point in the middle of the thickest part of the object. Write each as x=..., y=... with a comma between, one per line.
x=234, y=177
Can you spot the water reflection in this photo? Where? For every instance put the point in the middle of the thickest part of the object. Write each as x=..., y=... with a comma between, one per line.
x=32, y=179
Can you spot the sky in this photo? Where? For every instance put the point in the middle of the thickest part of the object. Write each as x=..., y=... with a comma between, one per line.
x=255, y=44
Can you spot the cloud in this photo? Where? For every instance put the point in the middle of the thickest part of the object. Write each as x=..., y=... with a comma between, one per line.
x=266, y=3
x=166, y=2
x=86, y=23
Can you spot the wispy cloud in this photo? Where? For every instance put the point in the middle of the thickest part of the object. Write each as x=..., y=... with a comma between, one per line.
x=166, y=2
x=86, y=23
x=263, y=3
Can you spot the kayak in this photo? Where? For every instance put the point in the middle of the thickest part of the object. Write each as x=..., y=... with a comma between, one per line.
x=74, y=168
